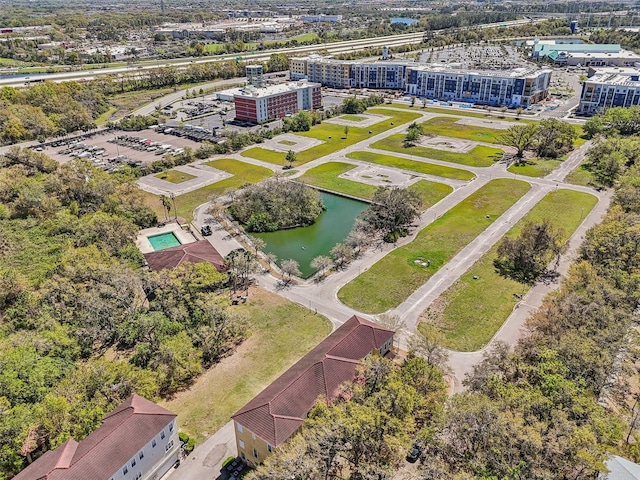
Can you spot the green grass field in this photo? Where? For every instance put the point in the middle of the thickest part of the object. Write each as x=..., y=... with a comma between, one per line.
x=448, y=127
x=266, y=354
x=353, y=118
x=326, y=176
x=471, y=311
x=413, y=165
x=392, y=279
x=430, y=192
x=581, y=175
x=242, y=173
x=536, y=167
x=480, y=156
x=174, y=176
x=332, y=136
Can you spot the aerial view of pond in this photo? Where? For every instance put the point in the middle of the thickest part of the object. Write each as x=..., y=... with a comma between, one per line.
x=406, y=21
x=305, y=243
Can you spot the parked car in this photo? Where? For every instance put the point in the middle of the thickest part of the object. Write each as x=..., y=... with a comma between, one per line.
x=206, y=230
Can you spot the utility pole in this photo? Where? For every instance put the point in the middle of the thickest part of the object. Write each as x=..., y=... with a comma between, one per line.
x=162, y=6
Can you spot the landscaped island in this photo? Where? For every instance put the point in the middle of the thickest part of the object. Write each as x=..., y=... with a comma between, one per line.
x=276, y=204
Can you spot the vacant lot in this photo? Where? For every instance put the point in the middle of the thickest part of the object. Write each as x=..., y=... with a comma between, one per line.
x=448, y=127
x=334, y=137
x=472, y=310
x=581, y=175
x=536, y=167
x=281, y=333
x=391, y=280
x=413, y=165
x=480, y=156
x=242, y=173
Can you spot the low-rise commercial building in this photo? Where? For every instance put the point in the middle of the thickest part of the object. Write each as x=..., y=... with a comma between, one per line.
x=583, y=54
x=279, y=411
x=258, y=105
x=610, y=87
x=137, y=441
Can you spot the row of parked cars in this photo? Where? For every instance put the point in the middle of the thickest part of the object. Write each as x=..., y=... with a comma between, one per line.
x=197, y=134
x=97, y=156
x=145, y=145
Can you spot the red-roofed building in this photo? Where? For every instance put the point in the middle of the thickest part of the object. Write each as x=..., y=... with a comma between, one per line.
x=137, y=441
x=279, y=411
x=195, y=252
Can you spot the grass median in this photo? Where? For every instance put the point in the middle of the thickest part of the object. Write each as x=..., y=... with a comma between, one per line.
x=174, y=176
x=480, y=156
x=536, y=167
x=333, y=137
x=472, y=310
x=581, y=175
x=272, y=348
x=242, y=173
x=413, y=165
x=397, y=275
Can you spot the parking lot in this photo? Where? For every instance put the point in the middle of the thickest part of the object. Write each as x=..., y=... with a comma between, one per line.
x=134, y=148
x=481, y=57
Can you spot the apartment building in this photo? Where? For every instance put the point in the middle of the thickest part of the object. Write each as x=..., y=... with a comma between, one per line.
x=610, y=87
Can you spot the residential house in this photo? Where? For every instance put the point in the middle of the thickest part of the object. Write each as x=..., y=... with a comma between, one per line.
x=279, y=411
x=136, y=441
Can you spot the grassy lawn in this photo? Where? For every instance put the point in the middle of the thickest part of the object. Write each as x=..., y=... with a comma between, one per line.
x=581, y=175
x=353, y=118
x=174, y=176
x=430, y=192
x=106, y=116
x=463, y=112
x=332, y=136
x=480, y=156
x=396, y=276
x=448, y=127
x=536, y=167
x=413, y=165
x=471, y=311
x=242, y=173
x=326, y=176
x=269, y=351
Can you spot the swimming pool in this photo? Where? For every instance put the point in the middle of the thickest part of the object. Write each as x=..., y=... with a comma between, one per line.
x=164, y=240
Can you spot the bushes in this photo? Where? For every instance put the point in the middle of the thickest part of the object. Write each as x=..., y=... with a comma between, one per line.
x=137, y=122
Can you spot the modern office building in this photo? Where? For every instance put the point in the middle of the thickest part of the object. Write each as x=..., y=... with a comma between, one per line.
x=255, y=75
x=136, y=441
x=519, y=87
x=258, y=105
x=610, y=87
x=279, y=411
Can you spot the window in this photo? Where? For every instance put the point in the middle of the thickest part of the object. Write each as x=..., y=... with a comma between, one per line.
x=133, y=462
x=153, y=443
x=138, y=476
x=255, y=453
x=242, y=455
x=241, y=443
x=171, y=427
x=240, y=428
x=269, y=448
x=125, y=470
x=253, y=436
x=141, y=455
x=162, y=434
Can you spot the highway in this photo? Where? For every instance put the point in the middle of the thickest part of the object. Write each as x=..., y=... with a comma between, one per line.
x=331, y=48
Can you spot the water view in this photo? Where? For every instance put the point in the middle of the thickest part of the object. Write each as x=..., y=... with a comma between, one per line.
x=305, y=243
x=406, y=21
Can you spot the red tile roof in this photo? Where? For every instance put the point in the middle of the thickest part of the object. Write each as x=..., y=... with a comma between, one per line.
x=123, y=433
x=196, y=252
x=279, y=410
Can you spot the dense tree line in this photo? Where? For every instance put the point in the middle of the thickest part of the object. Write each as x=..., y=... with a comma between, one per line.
x=275, y=204
x=72, y=289
x=549, y=138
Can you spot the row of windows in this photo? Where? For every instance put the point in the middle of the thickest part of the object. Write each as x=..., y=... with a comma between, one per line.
x=133, y=462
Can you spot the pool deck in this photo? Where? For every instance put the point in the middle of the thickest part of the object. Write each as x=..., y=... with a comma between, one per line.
x=143, y=243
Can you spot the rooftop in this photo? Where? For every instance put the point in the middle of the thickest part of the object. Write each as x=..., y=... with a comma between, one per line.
x=196, y=252
x=255, y=92
x=280, y=409
x=123, y=433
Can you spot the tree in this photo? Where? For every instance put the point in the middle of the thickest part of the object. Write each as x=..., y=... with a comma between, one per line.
x=258, y=243
x=427, y=342
x=290, y=268
x=391, y=212
x=341, y=254
x=242, y=266
x=414, y=133
x=553, y=138
x=321, y=263
x=346, y=131
x=521, y=137
x=525, y=258
x=291, y=158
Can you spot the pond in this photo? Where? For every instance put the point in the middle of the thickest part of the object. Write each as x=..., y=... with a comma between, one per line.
x=406, y=21
x=306, y=243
